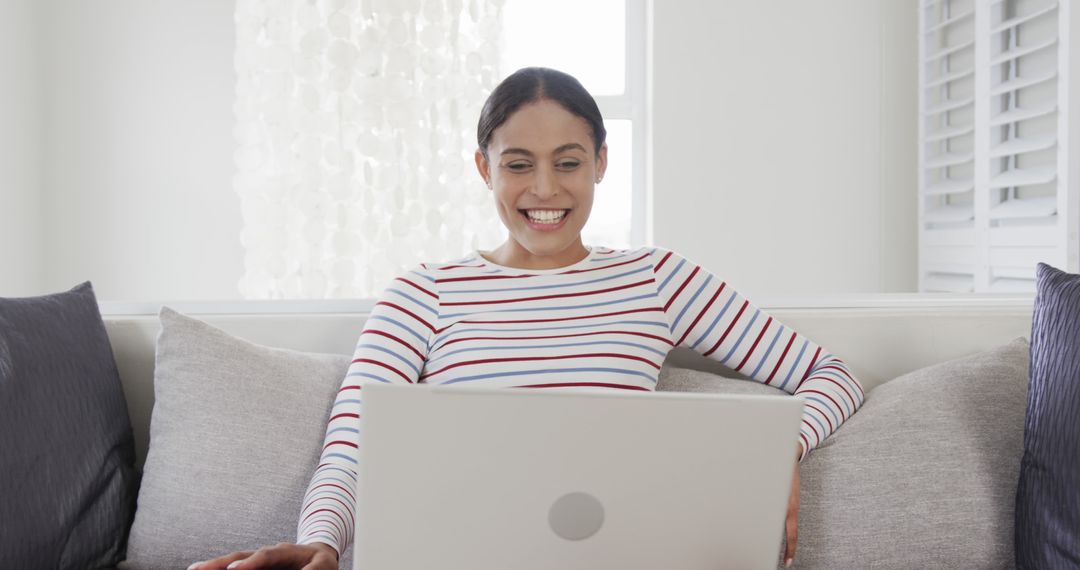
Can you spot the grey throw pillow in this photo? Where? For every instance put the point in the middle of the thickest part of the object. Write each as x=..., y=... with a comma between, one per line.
x=235, y=435
x=67, y=481
x=1048, y=493
x=924, y=474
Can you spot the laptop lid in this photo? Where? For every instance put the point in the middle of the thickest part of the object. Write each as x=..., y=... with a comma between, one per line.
x=461, y=478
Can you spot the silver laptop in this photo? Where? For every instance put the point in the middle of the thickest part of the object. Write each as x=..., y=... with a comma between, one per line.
x=460, y=478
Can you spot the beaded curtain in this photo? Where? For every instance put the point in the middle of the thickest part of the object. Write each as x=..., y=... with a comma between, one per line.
x=355, y=130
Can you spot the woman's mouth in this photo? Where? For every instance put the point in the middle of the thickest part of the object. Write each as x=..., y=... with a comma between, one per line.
x=544, y=219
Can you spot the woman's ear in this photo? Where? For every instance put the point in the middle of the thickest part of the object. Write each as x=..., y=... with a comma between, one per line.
x=483, y=167
x=601, y=162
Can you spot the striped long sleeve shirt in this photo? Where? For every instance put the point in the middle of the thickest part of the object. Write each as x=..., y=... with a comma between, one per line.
x=607, y=321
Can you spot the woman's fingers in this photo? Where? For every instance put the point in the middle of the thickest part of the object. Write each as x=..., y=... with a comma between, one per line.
x=791, y=526
x=221, y=562
x=283, y=554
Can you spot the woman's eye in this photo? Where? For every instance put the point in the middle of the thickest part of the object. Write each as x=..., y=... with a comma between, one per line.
x=517, y=166
x=568, y=164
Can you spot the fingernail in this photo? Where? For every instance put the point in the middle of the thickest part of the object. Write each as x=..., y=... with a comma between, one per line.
x=234, y=564
x=194, y=565
x=787, y=563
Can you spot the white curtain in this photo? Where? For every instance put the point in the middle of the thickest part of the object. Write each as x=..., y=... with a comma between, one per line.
x=355, y=129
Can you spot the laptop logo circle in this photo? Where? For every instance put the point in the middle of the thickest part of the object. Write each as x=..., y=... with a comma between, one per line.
x=576, y=516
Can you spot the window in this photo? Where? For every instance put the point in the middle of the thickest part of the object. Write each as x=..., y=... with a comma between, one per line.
x=602, y=43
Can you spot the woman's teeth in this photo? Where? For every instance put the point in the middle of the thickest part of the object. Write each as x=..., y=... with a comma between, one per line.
x=545, y=216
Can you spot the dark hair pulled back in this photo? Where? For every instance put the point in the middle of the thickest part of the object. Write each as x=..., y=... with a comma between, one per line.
x=531, y=84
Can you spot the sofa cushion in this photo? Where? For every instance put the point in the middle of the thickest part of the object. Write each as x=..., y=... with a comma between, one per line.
x=1048, y=493
x=235, y=435
x=922, y=476
x=67, y=485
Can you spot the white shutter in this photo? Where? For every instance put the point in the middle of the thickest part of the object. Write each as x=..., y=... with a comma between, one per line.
x=994, y=195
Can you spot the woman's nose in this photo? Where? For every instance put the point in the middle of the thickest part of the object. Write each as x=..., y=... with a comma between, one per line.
x=546, y=186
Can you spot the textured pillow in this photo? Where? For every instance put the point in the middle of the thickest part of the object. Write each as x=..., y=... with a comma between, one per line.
x=67, y=481
x=923, y=475
x=235, y=435
x=1048, y=493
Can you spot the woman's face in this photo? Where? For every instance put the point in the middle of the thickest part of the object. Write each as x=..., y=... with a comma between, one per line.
x=542, y=169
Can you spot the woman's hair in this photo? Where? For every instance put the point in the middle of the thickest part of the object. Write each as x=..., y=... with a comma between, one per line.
x=531, y=84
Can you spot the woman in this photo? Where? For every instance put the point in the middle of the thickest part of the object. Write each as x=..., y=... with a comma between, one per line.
x=544, y=311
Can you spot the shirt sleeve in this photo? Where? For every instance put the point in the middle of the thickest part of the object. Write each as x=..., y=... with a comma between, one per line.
x=707, y=315
x=392, y=348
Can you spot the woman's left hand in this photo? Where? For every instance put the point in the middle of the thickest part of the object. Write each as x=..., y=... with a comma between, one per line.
x=792, y=525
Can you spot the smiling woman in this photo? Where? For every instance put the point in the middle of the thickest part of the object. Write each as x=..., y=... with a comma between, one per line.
x=543, y=311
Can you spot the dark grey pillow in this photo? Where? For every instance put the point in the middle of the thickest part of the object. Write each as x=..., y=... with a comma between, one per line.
x=1048, y=493
x=67, y=486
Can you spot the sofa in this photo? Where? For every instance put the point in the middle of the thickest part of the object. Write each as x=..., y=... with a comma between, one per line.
x=924, y=475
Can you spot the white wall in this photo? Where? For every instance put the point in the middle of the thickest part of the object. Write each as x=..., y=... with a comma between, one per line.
x=137, y=148
x=784, y=142
x=20, y=240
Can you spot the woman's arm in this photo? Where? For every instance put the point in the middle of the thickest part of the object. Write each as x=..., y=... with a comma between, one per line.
x=392, y=348
x=709, y=316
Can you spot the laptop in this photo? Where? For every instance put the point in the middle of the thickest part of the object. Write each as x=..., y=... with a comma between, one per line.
x=461, y=478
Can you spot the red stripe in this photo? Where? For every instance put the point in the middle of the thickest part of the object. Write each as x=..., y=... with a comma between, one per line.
x=594, y=384
x=838, y=407
x=681, y=287
x=445, y=267
x=348, y=508
x=556, y=296
x=806, y=443
x=813, y=429
x=333, y=522
x=782, y=357
x=573, y=271
x=480, y=278
x=393, y=338
x=340, y=442
x=641, y=334
x=346, y=491
x=384, y=365
x=701, y=314
x=854, y=404
x=535, y=358
x=809, y=368
x=343, y=415
x=350, y=387
x=407, y=312
x=419, y=288
x=845, y=373
x=657, y=267
x=754, y=346
x=823, y=414
x=520, y=321
x=723, y=336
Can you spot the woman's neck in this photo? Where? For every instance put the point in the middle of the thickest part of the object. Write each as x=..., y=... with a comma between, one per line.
x=513, y=254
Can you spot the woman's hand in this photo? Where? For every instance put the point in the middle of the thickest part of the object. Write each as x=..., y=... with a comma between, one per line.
x=791, y=526
x=316, y=556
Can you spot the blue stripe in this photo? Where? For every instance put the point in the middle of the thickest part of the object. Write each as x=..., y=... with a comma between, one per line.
x=691, y=302
x=826, y=405
x=413, y=299
x=342, y=456
x=651, y=378
x=824, y=432
x=340, y=402
x=714, y=321
x=570, y=308
x=368, y=375
x=741, y=337
x=670, y=275
x=530, y=329
x=791, y=370
x=843, y=399
x=348, y=429
x=622, y=343
x=558, y=285
x=423, y=276
x=420, y=337
x=322, y=494
x=767, y=352
x=391, y=353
